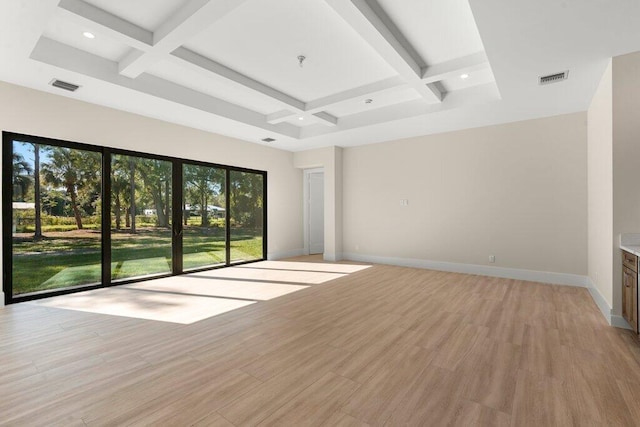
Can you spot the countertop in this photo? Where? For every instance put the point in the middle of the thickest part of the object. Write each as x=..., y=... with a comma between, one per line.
x=630, y=242
x=633, y=249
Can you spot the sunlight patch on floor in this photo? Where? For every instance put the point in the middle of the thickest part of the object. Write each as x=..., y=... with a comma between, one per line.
x=164, y=307
x=307, y=266
x=196, y=284
x=304, y=277
x=193, y=297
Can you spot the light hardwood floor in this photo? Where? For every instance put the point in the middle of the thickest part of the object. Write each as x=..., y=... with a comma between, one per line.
x=382, y=346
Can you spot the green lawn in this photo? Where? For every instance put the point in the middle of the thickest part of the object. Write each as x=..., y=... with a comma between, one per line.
x=66, y=259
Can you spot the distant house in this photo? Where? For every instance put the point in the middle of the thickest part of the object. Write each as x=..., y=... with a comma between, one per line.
x=194, y=210
x=23, y=205
x=20, y=206
x=218, y=212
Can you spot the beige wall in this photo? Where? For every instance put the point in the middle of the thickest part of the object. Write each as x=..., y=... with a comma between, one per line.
x=626, y=159
x=36, y=113
x=517, y=191
x=600, y=188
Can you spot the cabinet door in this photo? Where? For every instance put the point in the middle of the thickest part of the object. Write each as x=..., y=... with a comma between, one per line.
x=633, y=279
x=630, y=298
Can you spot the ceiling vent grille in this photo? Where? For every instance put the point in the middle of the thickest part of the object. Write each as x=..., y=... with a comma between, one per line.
x=64, y=85
x=553, y=78
x=268, y=139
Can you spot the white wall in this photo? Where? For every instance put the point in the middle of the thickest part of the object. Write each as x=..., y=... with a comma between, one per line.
x=517, y=191
x=600, y=189
x=32, y=112
x=626, y=160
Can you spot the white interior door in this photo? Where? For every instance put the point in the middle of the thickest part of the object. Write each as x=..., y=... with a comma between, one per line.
x=316, y=213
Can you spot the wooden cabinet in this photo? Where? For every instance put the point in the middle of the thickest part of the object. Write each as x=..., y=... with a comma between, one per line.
x=630, y=289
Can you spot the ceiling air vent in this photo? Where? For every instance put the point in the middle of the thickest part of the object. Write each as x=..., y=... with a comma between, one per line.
x=553, y=78
x=64, y=85
x=268, y=139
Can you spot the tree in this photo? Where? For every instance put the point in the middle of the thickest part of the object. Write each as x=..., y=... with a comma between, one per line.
x=20, y=177
x=53, y=202
x=156, y=176
x=132, y=197
x=120, y=174
x=75, y=171
x=246, y=198
x=37, y=149
x=37, y=235
x=203, y=184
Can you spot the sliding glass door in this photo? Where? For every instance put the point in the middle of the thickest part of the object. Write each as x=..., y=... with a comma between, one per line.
x=246, y=192
x=55, y=216
x=204, y=216
x=141, y=233
x=81, y=216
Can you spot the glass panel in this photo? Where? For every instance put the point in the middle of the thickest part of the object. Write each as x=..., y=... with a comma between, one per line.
x=56, y=204
x=204, y=217
x=140, y=217
x=246, y=219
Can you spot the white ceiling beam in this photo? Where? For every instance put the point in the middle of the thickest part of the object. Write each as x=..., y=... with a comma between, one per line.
x=75, y=60
x=327, y=118
x=105, y=23
x=280, y=116
x=166, y=43
x=189, y=59
x=455, y=67
x=464, y=98
x=367, y=91
x=369, y=23
x=190, y=20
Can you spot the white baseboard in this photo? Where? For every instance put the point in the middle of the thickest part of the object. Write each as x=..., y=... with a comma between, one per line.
x=619, y=322
x=332, y=257
x=483, y=270
x=602, y=304
x=272, y=256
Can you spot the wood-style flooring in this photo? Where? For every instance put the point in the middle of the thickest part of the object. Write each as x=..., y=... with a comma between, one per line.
x=383, y=346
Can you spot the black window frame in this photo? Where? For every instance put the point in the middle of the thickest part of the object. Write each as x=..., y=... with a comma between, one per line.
x=107, y=152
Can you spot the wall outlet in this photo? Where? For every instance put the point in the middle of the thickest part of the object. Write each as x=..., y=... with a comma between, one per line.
x=492, y=258
x=404, y=202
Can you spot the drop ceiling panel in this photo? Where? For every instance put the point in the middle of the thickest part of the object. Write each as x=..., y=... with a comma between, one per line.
x=70, y=33
x=214, y=85
x=438, y=30
x=263, y=38
x=147, y=14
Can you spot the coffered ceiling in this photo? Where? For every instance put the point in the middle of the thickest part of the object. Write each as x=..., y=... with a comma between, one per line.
x=310, y=73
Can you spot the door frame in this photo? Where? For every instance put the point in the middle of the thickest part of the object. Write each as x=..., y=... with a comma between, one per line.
x=305, y=202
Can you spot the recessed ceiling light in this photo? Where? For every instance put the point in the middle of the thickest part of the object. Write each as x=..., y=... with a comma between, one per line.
x=464, y=76
x=301, y=118
x=89, y=35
